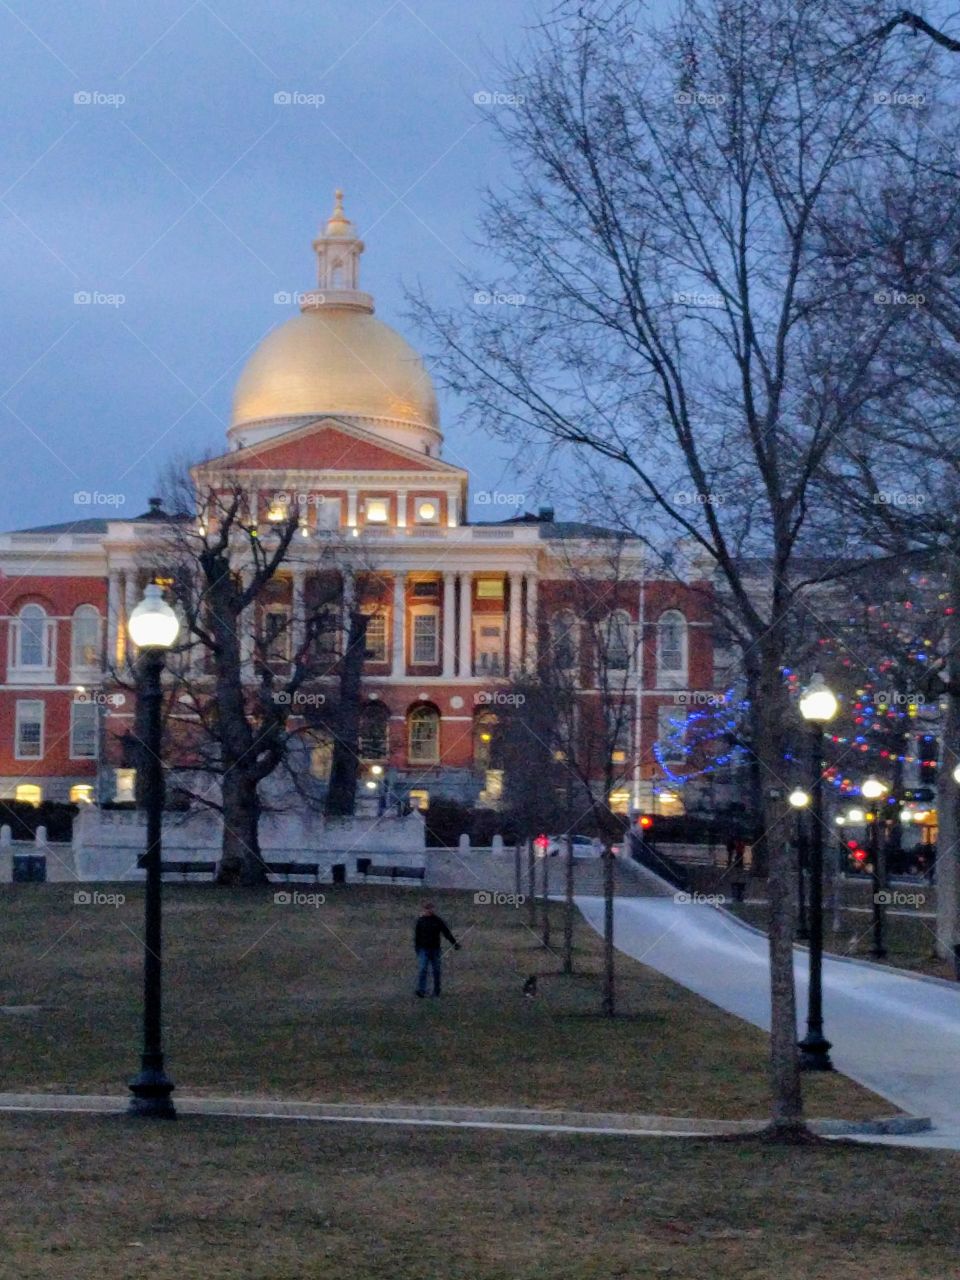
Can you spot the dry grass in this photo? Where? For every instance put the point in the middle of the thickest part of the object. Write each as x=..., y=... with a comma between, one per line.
x=316, y=1003
x=94, y=1198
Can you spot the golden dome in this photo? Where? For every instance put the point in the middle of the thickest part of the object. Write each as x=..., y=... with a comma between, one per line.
x=340, y=361
x=336, y=358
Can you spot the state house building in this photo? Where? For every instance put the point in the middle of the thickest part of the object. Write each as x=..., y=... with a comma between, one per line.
x=335, y=411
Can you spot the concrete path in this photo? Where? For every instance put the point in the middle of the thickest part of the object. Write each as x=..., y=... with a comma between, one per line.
x=896, y=1034
x=495, y=872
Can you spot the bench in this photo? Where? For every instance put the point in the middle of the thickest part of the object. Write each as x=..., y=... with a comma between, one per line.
x=289, y=869
x=395, y=873
x=181, y=868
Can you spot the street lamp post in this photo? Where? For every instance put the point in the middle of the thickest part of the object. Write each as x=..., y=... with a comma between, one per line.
x=799, y=799
x=153, y=627
x=873, y=790
x=818, y=706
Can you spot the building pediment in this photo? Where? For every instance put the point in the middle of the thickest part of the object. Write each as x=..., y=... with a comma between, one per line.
x=328, y=445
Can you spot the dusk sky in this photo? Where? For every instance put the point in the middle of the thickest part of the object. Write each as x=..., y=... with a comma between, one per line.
x=181, y=187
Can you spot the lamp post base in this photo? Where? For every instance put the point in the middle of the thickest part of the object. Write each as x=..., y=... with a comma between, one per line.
x=151, y=1091
x=815, y=1052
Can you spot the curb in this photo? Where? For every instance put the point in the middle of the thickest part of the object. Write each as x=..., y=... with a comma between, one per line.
x=467, y=1117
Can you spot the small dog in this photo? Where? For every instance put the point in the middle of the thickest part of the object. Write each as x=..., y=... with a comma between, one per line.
x=530, y=986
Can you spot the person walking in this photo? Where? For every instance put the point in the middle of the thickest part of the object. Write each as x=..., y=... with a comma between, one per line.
x=427, y=935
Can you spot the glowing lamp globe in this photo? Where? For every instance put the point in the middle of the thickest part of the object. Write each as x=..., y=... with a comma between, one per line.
x=818, y=704
x=873, y=789
x=153, y=624
x=799, y=798
x=956, y=773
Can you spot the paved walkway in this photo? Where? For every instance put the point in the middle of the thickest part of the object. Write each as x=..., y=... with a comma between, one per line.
x=897, y=1035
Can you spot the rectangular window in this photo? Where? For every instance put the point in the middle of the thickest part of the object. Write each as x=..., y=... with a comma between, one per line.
x=83, y=731
x=377, y=510
x=489, y=588
x=276, y=634
x=426, y=590
x=425, y=637
x=376, y=650
x=328, y=512
x=488, y=641
x=671, y=731
x=30, y=730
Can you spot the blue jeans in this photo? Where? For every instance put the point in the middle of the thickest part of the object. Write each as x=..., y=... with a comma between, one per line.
x=428, y=960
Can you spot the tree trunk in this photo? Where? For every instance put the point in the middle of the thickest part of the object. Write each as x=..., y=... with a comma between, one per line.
x=609, y=1002
x=546, y=899
x=240, y=860
x=948, y=819
x=568, y=911
x=342, y=791
x=773, y=715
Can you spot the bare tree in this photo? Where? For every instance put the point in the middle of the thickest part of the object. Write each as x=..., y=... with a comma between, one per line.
x=675, y=326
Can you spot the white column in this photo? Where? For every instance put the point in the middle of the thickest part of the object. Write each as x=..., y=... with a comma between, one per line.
x=401, y=508
x=352, y=508
x=130, y=601
x=449, y=625
x=113, y=619
x=253, y=498
x=399, y=625
x=515, y=631
x=298, y=611
x=453, y=510
x=531, y=622
x=466, y=625
x=247, y=622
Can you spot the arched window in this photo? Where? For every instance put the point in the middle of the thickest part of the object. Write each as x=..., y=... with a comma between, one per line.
x=32, y=638
x=672, y=649
x=374, y=736
x=423, y=735
x=563, y=641
x=85, y=639
x=618, y=641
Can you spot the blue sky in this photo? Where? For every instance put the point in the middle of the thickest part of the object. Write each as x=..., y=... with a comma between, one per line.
x=195, y=198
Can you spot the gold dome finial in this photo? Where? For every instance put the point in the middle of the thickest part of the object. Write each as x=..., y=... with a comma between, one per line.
x=338, y=223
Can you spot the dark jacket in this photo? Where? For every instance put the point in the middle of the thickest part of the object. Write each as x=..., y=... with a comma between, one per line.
x=428, y=932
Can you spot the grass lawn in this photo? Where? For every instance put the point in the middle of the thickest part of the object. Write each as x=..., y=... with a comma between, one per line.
x=104, y=1198
x=317, y=1003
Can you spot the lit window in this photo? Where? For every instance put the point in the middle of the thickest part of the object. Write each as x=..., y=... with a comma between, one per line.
x=376, y=639
x=428, y=511
x=82, y=793
x=377, y=510
x=279, y=508
x=85, y=639
x=28, y=793
x=29, y=730
x=419, y=800
x=126, y=786
x=83, y=731
x=424, y=735
x=489, y=588
x=619, y=801
x=425, y=637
